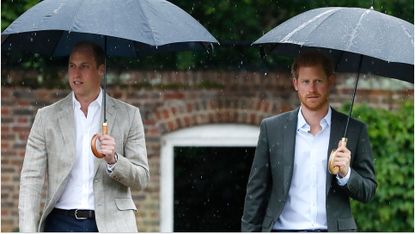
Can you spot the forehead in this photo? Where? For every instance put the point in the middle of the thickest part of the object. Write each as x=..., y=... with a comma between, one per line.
x=311, y=72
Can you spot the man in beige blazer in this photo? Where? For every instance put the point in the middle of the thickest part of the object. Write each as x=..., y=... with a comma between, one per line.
x=84, y=193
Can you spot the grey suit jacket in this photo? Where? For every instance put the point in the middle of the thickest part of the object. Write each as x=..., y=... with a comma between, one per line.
x=272, y=169
x=50, y=151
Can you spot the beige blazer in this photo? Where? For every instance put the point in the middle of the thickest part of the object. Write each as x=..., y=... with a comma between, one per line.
x=50, y=151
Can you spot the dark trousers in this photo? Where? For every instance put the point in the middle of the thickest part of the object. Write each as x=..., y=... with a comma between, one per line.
x=64, y=223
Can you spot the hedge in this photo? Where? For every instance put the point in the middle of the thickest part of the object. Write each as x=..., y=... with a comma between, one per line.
x=392, y=139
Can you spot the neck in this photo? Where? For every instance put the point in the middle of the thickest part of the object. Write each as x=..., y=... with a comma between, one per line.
x=313, y=117
x=85, y=101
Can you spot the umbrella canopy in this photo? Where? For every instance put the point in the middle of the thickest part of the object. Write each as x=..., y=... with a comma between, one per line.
x=128, y=28
x=123, y=28
x=383, y=44
x=358, y=40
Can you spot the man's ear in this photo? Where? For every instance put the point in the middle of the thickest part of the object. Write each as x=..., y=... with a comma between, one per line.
x=101, y=70
x=332, y=80
x=295, y=83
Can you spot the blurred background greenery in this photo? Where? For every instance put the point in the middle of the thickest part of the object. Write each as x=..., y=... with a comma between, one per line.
x=392, y=138
x=235, y=24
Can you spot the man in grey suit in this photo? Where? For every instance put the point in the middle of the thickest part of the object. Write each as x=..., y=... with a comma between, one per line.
x=84, y=193
x=289, y=187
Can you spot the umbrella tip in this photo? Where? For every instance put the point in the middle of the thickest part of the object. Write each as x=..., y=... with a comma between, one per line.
x=371, y=8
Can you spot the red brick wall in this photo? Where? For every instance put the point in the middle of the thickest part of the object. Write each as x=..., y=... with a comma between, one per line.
x=168, y=101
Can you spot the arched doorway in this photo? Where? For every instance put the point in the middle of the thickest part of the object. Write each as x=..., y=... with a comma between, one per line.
x=229, y=139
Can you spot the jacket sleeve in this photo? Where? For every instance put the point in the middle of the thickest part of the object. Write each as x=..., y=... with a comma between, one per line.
x=362, y=182
x=32, y=177
x=258, y=188
x=132, y=168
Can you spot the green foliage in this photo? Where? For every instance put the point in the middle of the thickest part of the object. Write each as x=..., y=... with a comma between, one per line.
x=11, y=9
x=235, y=24
x=392, y=138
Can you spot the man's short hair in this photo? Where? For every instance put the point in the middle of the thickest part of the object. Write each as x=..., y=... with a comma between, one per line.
x=96, y=49
x=312, y=58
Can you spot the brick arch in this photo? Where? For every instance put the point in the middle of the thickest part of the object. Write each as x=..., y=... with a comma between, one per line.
x=180, y=114
x=184, y=112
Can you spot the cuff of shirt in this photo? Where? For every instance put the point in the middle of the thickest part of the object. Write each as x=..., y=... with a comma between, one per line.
x=110, y=167
x=343, y=181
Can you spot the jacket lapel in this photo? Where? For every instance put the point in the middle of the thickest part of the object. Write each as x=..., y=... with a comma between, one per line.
x=289, y=148
x=111, y=113
x=67, y=128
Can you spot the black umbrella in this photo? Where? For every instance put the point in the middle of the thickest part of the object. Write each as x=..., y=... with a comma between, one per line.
x=358, y=40
x=128, y=28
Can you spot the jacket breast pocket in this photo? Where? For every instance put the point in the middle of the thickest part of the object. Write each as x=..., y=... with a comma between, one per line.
x=125, y=204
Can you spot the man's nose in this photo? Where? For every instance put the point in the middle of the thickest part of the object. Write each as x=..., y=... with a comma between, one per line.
x=76, y=71
x=313, y=86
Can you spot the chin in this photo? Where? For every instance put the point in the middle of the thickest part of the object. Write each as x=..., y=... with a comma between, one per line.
x=315, y=107
x=78, y=92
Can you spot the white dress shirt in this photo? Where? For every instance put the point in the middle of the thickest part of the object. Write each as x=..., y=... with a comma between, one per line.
x=79, y=193
x=305, y=207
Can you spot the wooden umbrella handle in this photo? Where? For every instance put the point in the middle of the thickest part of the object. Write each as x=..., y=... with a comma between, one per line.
x=94, y=141
x=335, y=169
